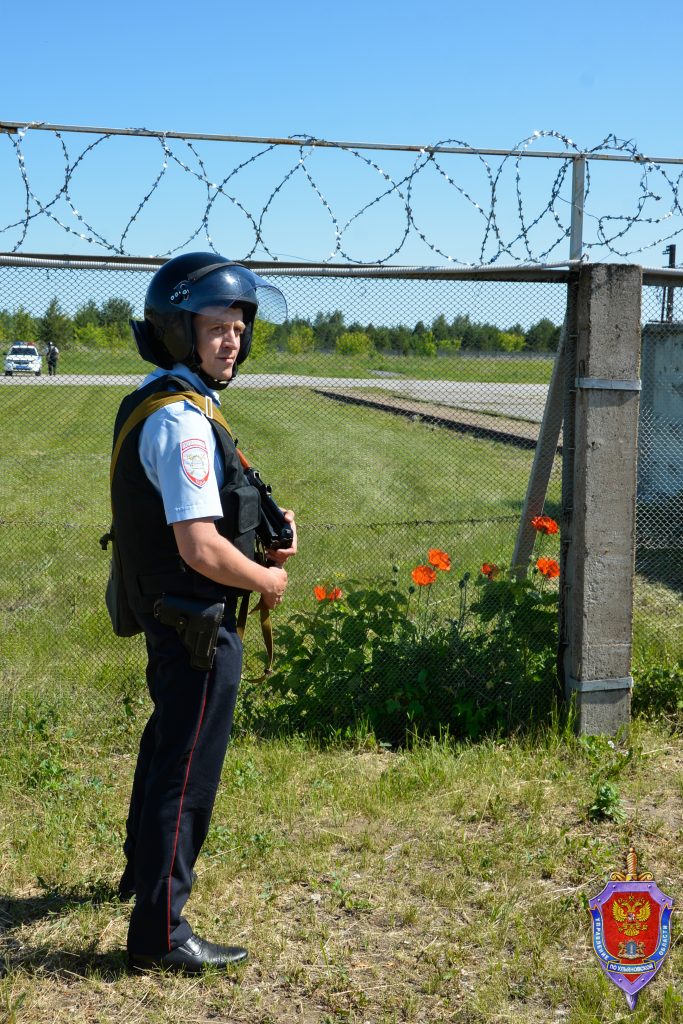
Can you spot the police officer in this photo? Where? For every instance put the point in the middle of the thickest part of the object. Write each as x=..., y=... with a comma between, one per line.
x=52, y=357
x=184, y=521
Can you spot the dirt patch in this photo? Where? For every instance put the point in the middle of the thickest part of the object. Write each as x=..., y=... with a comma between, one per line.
x=521, y=433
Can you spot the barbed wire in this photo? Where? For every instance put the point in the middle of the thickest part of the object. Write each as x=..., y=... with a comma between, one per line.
x=509, y=231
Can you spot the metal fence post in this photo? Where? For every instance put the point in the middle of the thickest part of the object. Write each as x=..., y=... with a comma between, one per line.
x=578, y=195
x=599, y=497
x=551, y=424
x=544, y=456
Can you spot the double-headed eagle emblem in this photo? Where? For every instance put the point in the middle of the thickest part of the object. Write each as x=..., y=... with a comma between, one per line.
x=631, y=915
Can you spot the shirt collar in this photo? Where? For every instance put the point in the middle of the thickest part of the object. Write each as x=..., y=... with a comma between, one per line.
x=180, y=370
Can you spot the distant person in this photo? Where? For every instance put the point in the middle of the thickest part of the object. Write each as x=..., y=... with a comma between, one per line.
x=52, y=357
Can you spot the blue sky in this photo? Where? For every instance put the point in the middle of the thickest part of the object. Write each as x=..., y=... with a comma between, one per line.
x=398, y=72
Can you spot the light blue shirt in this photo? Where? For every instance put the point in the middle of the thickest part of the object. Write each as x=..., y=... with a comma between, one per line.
x=178, y=453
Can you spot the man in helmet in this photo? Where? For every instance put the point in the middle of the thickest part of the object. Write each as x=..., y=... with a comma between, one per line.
x=184, y=519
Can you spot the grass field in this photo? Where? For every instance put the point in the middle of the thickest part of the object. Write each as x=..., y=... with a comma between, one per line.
x=369, y=491
x=443, y=883
x=467, y=367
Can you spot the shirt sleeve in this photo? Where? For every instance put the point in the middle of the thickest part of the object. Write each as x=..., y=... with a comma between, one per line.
x=178, y=454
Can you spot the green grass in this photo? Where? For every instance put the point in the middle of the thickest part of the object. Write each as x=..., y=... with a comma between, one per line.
x=442, y=883
x=369, y=490
x=486, y=367
x=447, y=882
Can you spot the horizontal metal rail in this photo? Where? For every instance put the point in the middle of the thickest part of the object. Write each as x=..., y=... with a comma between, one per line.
x=556, y=272
x=637, y=158
x=551, y=273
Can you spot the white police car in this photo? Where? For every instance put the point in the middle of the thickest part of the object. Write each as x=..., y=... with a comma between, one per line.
x=23, y=357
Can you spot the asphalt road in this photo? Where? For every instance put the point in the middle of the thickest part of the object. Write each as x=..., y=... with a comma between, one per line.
x=525, y=401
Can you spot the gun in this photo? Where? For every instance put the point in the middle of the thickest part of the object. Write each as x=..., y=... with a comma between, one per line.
x=196, y=623
x=273, y=531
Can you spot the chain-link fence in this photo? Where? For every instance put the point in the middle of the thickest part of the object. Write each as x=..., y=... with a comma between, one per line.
x=397, y=415
x=659, y=553
x=387, y=413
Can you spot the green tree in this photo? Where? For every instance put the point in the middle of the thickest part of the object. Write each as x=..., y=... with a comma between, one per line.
x=441, y=329
x=24, y=326
x=5, y=325
x=116, y=311
x=301, y=338
x=55, y=326
x=354, y=343
x=426, y=346
x=91, y=336
x=543, y=336
x=380, y=337
x=328, y=327
x=262, y=339
x=88, y=314
x=511, y=342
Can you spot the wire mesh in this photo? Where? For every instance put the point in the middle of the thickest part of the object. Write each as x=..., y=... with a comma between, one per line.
x=659, y=554
x=385, y=452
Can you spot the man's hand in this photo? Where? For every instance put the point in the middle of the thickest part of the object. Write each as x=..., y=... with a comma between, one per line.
x=272, y=594
x=205, y=550
x=280, y=555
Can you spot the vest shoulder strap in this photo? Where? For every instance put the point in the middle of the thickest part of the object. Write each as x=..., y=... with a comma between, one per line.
x=157, y=401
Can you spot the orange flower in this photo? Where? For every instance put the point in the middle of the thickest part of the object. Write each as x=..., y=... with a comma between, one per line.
x=548, y=567
x=440, y=559
x=320, y=593
x=423, y=575
x=544, y=524
x=489, y=570
x=334, y=594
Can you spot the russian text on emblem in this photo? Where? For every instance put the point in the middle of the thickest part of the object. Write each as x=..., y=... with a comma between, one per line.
x=631, y=928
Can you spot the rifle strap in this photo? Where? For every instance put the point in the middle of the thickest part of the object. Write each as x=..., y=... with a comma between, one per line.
x=206, y=406
x=266, y=628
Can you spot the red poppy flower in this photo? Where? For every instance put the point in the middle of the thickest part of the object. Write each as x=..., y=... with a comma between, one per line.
x=320, y=593
x=544, y=524
x=548, y=567
x=423, y=575
x=489, y=570
x=334, y=594
x=439, y=559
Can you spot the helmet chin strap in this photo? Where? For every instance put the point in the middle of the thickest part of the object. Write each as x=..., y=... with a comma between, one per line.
x=192, y=363
x=215, y=385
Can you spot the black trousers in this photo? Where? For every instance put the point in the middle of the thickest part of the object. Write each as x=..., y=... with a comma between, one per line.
x=174, y=788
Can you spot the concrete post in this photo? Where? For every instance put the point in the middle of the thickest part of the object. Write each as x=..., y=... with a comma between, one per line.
x=598, y=528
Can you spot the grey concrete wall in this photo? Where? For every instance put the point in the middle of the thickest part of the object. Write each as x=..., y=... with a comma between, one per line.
x=598, y=528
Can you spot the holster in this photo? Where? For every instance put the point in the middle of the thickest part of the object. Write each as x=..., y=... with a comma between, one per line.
x=196, y=623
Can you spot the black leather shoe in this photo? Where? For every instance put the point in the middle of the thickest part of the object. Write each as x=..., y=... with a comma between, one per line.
x=192, y=957
x=126, y=889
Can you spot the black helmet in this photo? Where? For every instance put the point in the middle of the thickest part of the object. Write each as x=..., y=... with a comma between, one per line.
x=189, y=284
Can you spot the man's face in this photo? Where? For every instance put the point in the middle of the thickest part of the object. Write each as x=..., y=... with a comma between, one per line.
x=218, y=333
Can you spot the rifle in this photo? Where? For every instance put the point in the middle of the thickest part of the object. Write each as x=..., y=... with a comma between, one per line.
x=273, y=531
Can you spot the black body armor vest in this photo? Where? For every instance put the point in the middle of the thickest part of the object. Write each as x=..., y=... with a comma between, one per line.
x=149, y=555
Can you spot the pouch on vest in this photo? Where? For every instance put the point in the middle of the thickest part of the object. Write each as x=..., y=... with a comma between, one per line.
x=123, y=620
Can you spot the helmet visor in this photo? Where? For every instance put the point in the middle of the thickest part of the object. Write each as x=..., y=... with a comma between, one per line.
x=227, y=284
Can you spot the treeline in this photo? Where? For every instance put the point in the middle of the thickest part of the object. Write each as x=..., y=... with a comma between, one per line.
x=329, y=333
x=92, y=326
x=106, y=326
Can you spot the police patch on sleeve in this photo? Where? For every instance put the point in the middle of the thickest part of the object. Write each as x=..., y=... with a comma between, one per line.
x=194, y=457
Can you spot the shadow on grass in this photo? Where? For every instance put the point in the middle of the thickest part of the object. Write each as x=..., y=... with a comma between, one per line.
x=63, y=963
x=662, y=566
x=18, y=911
